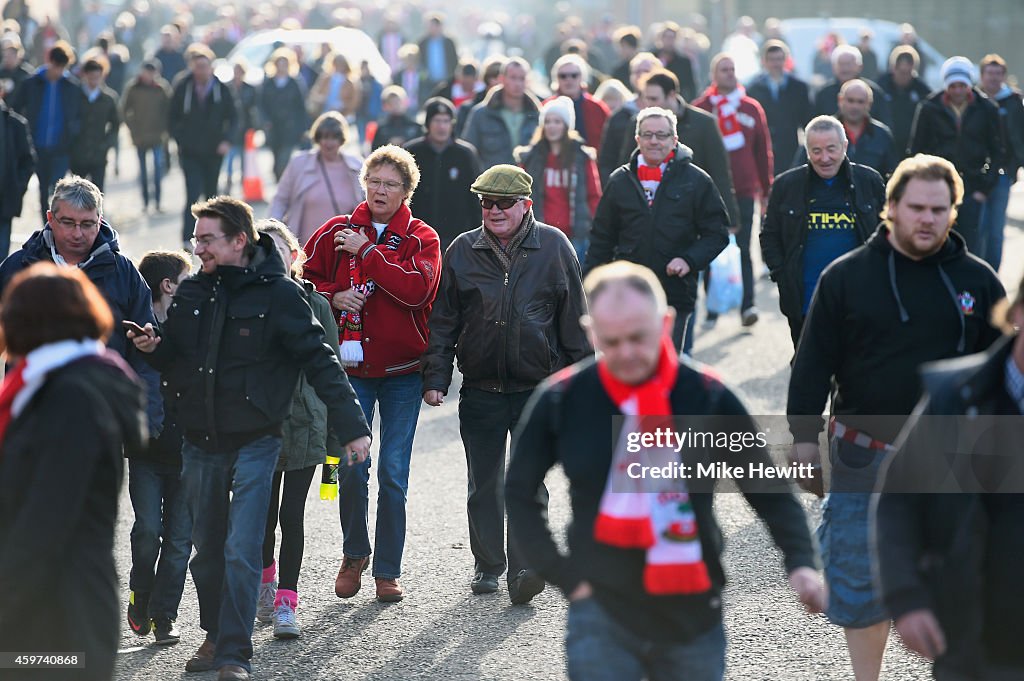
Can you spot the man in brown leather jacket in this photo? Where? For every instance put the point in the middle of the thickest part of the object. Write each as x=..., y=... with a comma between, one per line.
x=508, y=308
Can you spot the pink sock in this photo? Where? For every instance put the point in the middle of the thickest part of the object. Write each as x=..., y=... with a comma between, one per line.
x=286, y=596
x=270, y=573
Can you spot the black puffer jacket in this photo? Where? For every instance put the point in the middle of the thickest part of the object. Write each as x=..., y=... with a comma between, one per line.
x=199, y=128
x=509, y=330
x=973, y=146
x=960, y=555
x=688, y=219
x=243, y=334
x=784, y=229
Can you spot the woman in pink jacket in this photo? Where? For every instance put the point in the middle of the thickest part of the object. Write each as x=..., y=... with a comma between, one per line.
x=320, y=183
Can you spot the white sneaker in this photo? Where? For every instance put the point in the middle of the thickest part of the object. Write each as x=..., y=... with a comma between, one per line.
x=265, y=602
x=285, y=625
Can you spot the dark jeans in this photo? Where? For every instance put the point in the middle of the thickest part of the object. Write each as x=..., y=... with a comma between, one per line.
x=597, y=648
x=5, y=237
x=485, y=421
x=158, y=173
x=399, y=399
x=282, y=154
x=201, y=173
x=94, y=172
x=682, y=332
x=969, y=221
x=162, y=528
x=228, y=494
x=994, y=221
x=290, y=507
x=51, y=165
x=746, y=204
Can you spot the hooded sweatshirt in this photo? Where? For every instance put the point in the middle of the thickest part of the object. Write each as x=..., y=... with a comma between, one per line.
x=875, y=318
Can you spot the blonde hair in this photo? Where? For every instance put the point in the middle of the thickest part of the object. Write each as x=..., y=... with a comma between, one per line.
x=400, y=159
x=286, y=53
x=279, y=229
x=923, y=167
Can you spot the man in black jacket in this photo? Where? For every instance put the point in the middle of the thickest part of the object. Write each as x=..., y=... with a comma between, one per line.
x=847, y=64
x=869, y=141
x=785, y=100
x=912, y=294
x=816, y=213
x=202, y=121
x=618, y=606
x=905, y=92
x=663, y=212
x=99, y=123
x=17, y=162
x=961, y=611
x=508, y=308
x=447, y=169
x=242, y=331
x=961, y=125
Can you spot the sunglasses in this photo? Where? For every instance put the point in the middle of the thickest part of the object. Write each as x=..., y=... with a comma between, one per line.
x=502, y=204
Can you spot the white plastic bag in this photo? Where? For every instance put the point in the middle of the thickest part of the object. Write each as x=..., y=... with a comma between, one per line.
x=725, y=290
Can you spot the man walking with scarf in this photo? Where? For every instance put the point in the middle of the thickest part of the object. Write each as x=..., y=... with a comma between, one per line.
x=508, y=308
x=654, y=613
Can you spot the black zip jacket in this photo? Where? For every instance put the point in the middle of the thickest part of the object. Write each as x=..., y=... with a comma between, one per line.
x=688, y=219
x=877, y=316
x=99, y=123
x=443, y=199
x=874, y=148
x=973, y=146
x=959, y=555
x=240, y=336
x=569, y=421
x=199, y=128
x=784, y=228
x=903, y=103
x=17, y=161
x=509, y=330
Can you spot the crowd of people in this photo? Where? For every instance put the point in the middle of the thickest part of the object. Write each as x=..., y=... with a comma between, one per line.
x=542, y=219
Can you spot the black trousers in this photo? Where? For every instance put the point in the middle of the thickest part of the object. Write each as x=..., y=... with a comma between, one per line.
x=94, y=172
x=485, y=420
x=201, y=173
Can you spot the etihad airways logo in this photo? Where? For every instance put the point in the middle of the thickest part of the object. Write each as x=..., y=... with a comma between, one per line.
x=830, y=220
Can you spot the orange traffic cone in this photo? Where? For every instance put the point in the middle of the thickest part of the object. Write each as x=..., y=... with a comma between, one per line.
x=252, y=185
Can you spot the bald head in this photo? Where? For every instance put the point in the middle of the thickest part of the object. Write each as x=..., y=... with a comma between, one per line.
x=855, y=97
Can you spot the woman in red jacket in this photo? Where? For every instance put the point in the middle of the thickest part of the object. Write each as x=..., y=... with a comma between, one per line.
x=379, y=267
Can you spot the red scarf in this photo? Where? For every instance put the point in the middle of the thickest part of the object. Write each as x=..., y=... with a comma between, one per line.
x=650, y=176
x=351, y=324
x=14, y=381
x=727, y=113
x=662, y=522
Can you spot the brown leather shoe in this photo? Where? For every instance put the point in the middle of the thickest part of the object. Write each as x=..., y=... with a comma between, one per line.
x=232, y=672
x=202, y=659
x=346, y=585
x=389, y=590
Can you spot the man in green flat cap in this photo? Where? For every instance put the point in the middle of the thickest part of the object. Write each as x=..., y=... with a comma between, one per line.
x=509, y=304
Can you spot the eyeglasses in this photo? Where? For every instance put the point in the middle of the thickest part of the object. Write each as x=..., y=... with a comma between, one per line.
x=660, y=136
x=502, y=204
x=206, y=241
x=566, y=76
x=84, y=225
x=388, y=185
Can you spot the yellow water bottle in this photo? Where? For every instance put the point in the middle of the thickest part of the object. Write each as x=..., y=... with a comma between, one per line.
x=329, y=479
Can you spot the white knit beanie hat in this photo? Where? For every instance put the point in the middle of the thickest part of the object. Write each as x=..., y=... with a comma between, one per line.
x=563, y=108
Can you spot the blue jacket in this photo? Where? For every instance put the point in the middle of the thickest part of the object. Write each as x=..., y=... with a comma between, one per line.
x=29, y=99
x=124, y=290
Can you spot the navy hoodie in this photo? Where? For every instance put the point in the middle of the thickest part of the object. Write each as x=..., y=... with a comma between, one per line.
x=876, y=316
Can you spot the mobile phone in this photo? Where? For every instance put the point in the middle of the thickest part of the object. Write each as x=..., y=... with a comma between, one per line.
x=133, y=327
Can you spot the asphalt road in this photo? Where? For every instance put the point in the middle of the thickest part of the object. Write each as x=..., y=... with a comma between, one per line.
x=441, y=630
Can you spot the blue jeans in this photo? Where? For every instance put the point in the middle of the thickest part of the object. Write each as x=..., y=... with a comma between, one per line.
x=158, y=171
x=598, y=648
x=235, y=151
x=994, y=221
x=228, y=494
x=399, y=398
x=580, y=246
x=161, y=530
x=969, y=222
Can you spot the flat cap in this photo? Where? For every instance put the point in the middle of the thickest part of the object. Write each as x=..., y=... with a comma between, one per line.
x=503, y=180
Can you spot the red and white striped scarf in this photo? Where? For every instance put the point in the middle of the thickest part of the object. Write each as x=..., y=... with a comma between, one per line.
x=726, y=108
x=635, y=516
x=650, y=176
